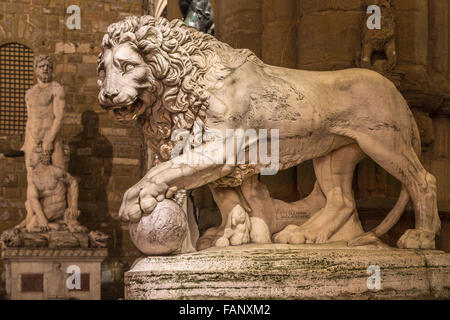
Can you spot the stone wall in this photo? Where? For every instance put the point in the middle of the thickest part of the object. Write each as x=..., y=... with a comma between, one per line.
x=104, y=157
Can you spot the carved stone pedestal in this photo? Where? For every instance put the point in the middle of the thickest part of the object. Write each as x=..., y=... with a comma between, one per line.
x=42, y=273
x=273, y=271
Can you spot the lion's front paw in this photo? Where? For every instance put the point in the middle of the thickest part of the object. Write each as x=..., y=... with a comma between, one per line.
x=141, y=199
x=417, y=239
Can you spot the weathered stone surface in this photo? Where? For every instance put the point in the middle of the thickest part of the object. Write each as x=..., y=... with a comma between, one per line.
x=412, y=41
x=441, y=147
x=328, y=47
x=290, y=272
x=34, y=240
x=51, y=267
x=439, y=30
x=308, y=6
x=62, y=239
x=240, y=23
x=279, y=34
x=163, y=232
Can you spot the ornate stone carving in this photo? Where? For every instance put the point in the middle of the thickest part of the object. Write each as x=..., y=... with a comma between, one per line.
x=180, y=77
x=55, y=282
x=54, y=266
x=52, y=196
x=378, y=46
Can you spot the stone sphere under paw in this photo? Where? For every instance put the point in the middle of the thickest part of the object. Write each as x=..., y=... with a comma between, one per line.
x=162, y=232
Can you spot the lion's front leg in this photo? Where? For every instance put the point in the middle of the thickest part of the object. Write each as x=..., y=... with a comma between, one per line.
x=165, y=179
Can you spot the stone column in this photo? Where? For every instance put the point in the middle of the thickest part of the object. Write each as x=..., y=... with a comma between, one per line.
x=439, y=37
x=239, y=23
x=412, y=46
x=279, y=34
x=329, y=33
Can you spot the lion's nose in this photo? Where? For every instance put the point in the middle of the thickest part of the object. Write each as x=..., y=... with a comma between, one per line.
x=109, y=95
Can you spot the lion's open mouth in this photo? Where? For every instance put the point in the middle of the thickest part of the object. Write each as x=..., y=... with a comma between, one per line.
x=129, y=112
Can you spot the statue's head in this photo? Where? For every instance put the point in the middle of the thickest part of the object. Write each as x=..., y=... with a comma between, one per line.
x=200, y=16
x=43, y=68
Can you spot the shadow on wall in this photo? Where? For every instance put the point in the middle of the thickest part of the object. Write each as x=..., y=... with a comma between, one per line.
x=91, y=163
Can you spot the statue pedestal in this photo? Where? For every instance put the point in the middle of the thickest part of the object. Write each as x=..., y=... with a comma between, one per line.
x=331, y=271
x=42, y=273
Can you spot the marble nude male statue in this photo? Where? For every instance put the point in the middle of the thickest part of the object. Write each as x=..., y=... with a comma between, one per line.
x=166, y=76
x=52, y=196
x=45, y=109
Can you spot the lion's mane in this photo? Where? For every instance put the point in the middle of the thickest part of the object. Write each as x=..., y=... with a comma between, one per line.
x=182, y=63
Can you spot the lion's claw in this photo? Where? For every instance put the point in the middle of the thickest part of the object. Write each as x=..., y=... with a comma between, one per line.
x=141, y=199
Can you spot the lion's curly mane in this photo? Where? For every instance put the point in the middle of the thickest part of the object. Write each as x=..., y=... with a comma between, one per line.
x=182, y=63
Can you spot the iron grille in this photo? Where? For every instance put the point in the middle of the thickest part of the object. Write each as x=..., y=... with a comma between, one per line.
x=16, y=77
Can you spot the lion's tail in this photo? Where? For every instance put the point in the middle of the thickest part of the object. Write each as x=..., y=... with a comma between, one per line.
x=394, y=215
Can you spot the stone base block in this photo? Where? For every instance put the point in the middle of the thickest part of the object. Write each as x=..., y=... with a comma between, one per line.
x=44, y=274
x=292, y=272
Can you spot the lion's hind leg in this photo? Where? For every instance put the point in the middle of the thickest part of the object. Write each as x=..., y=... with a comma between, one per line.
x=335, y=175
x=396, y=155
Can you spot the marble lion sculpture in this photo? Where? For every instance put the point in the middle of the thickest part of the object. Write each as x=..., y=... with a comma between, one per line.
x=166, y=76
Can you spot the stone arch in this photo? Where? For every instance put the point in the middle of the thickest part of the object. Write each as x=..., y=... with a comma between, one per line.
x=20, y=29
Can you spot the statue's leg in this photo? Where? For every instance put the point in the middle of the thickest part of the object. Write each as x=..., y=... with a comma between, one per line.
x=226, y=199
x=58, y=154
x=28, y=149
x=335, y=175
x=28, y=217
x=31, y=220
x=389, y=150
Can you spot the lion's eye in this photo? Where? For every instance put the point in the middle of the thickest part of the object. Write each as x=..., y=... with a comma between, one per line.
x=128, y=67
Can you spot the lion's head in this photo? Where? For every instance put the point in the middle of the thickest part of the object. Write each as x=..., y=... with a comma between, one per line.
x=156, y=72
